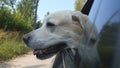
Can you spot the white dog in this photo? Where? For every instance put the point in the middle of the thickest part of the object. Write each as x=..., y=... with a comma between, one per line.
x=70, y=35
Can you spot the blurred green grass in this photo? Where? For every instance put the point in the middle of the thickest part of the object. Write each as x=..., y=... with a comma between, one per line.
x=11, y=45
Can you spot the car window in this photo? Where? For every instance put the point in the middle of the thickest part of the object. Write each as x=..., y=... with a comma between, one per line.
x=105, y=14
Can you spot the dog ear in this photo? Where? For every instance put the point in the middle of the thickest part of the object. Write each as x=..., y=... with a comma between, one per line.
x=89, y=29
x=77, y=18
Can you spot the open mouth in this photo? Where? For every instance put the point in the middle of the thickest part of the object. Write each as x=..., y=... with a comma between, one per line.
x=49, y=51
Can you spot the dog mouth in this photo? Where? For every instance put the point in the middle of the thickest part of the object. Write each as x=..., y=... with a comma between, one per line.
x=49, y=51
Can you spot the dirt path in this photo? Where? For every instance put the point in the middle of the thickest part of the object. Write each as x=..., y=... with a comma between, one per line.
x=27, y=61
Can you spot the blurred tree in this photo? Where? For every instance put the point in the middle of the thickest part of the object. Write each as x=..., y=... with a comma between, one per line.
x=13, y=21
x=79, y=4
x=28, y=9
x=9, y=3
x=47, y=14
x=39, y=24
x=35, y=12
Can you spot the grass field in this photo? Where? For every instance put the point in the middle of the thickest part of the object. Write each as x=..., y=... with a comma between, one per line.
x=11, y=45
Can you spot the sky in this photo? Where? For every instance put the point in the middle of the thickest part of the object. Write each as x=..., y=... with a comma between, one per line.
x=52, y=6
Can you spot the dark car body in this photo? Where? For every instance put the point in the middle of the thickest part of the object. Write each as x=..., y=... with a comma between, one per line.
x=105, y=14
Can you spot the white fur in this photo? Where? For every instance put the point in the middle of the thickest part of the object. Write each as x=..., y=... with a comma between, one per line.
x=75, y=34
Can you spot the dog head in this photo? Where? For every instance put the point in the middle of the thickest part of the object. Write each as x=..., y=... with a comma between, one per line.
x=59, y=31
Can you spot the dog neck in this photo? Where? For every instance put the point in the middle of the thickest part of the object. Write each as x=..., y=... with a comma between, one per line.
x=82, y=58
x=64, y=59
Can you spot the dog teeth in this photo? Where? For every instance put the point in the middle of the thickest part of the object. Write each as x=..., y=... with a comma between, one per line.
x=44, y=51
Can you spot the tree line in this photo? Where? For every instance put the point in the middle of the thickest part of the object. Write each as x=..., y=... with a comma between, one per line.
x=18, y=15
x=21, y=15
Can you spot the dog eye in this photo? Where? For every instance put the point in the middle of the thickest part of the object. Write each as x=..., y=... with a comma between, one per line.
x=49, y=24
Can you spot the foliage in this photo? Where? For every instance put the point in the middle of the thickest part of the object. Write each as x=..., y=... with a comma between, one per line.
x=39, y=24
x=9, y=21
x=9, y=3
x=48, y=13
x=28, y=10
x=35, y=13
x=11, y=48
x=79, y=4
x=21, y=18
x=11, y=45
x=16, y=20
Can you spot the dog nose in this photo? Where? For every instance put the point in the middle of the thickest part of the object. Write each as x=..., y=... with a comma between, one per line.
x=26, y=38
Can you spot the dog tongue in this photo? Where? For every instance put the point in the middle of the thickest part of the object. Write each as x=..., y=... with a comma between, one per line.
x=35, y=52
